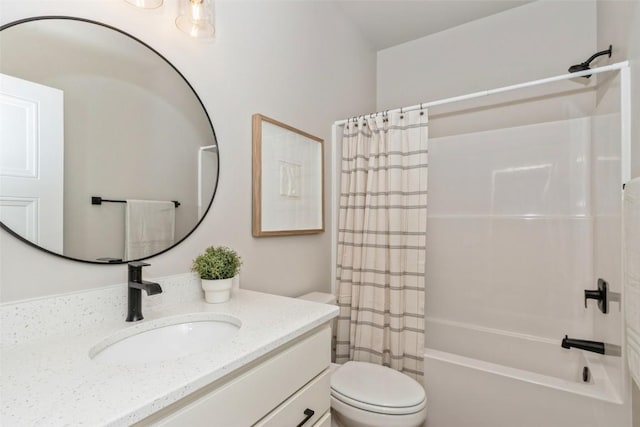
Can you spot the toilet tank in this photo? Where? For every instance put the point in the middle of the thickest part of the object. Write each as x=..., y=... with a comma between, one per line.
x=322, y=297
x=325, y=298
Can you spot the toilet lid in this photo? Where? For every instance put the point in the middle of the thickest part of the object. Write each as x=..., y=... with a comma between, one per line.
x=377, y=388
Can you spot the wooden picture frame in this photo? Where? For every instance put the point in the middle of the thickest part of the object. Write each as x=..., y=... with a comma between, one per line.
x=288, y=180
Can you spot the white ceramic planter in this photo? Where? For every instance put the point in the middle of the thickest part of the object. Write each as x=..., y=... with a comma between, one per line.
x=217, y=291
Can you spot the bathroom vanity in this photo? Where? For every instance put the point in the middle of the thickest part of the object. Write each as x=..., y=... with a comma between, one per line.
x=272, y=371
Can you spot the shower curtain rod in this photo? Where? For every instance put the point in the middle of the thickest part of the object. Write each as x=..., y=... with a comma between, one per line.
x=616, y=66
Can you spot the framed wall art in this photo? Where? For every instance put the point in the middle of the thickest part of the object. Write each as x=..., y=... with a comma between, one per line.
x=288, y=180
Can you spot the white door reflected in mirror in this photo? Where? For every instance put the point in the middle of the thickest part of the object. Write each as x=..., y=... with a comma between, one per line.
x=32, y=161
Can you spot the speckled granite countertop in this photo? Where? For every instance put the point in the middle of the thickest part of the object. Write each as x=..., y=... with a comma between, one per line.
x=50, y=380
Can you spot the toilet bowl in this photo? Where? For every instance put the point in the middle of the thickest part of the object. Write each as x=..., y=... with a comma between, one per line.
x=368, y=395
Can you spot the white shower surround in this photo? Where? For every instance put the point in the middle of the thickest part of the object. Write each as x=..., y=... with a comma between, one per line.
x=517, y=232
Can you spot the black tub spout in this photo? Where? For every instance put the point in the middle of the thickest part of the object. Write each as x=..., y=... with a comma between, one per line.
x=593, y=346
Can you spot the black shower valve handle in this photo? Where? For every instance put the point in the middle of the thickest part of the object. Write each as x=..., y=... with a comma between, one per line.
x=600, y=295
x=589, y=294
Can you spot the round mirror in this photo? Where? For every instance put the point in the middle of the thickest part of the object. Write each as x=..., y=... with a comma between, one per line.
x=106, y=152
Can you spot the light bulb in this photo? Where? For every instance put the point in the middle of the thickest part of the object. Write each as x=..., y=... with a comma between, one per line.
x=145, y=4
x=196, y=10
x=196, y=18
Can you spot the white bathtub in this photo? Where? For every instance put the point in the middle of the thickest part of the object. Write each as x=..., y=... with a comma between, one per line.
x=480, y=377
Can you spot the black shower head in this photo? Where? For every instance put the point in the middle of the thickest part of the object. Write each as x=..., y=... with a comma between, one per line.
x=585, y=65
x=579, y=67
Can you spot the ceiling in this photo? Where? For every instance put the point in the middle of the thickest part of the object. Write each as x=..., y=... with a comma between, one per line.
x=388, y=23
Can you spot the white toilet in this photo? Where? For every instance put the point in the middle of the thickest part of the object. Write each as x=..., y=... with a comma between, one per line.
x=368, y=395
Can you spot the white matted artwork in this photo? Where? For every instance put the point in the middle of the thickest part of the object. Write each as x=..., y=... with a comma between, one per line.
x=288, y=177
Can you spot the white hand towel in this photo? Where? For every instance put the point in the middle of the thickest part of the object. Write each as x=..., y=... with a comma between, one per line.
x=149, y=227
x=632, y=275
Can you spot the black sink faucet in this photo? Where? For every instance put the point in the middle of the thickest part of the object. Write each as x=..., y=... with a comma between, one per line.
x=136, y=285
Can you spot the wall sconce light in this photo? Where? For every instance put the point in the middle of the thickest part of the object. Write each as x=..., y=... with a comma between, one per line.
x=145, y=4
x=195, y=18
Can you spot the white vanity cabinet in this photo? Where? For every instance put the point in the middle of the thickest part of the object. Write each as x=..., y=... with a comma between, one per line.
x=283, y=388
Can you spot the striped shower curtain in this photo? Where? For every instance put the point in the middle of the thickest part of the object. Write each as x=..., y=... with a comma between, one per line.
x=381, y=242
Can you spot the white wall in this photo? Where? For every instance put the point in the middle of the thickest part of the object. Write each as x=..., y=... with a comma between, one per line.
x=298, y=62
x=537, y=40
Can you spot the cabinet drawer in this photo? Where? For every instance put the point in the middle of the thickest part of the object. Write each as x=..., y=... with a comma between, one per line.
x=324, y=421
x=314, y=396
x=245, y=399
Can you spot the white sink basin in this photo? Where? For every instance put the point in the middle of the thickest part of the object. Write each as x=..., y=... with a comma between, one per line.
x=166, y=339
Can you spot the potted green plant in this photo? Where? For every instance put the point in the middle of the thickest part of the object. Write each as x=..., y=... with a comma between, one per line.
x=217, y=267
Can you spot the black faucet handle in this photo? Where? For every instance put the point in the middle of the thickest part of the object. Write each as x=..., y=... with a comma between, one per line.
x=135, y=271
x=138, y=264
x=589, y=294
x=600, y=295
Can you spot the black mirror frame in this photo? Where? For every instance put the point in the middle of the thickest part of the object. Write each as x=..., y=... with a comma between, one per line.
x=17, y=236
